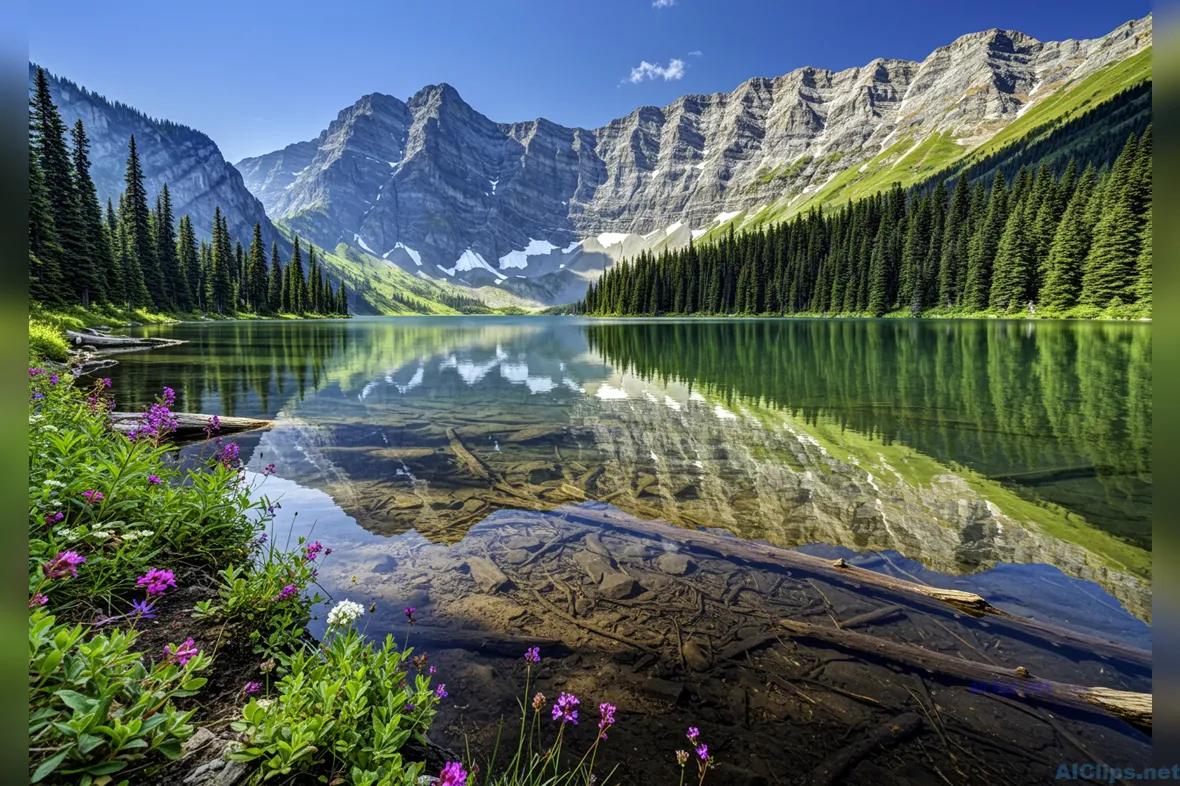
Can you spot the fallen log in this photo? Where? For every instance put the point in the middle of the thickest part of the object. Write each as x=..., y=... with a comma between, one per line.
x=854, y=578
x=891, y=732
x=189, y=425
x=100, y=341
x=1134, y=708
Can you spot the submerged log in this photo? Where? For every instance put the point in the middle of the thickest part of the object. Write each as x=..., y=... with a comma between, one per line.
x=189, y=425
x=846, y=757
x=1134, y=708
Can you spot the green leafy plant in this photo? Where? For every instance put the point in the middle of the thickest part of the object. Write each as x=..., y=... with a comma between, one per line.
x=344, y=708
x=96, y=707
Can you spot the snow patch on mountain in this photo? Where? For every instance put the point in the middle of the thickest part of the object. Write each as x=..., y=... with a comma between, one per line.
x=520, y=259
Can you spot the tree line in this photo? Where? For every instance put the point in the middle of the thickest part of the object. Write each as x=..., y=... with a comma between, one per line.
x=137, y=256
x=1070, y=244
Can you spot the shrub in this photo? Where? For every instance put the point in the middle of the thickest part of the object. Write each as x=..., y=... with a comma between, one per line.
x=342, y=710
x=47, y=342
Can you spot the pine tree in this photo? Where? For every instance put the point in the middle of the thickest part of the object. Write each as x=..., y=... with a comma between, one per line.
x=342, y=294
x=166, y=252
x=92, y=275
x=1012, y=270
x=205, y=277
x=256, y=273
x=113, y=279
x=220, y=285
x=141, y=247
x=878, y=295
x=47, y=137
x=313, y=281
x=1070, y=246
x=274, y=281
x=45, y=251
x=1143, y=266
x=134, y=287
x=189, y=263
x=1114, y=252
x=293, y=298
x=984, y=244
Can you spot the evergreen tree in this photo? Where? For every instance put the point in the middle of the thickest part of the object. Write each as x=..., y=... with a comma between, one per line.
x=189, y=263
x=166, y=253
x=91, y=275
x=1012, y=271
x=134, y=287
x=45, y=251
x=113, y=284
x=147, y=289
x=256, y=273
x=274, y=282
x=1143, y=266
x=220, y=290
x=1114, y=253
x=984, y=244
x=1067, y=252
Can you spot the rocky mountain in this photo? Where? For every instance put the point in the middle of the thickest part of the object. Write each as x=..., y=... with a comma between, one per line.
x=538, y=209
x=198, y=177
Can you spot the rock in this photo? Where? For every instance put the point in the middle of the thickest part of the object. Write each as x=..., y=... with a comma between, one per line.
x=583, y=606
x=594, y=564
x=594, y=545
x=515, y=556
x=617, y=585
x=487, y=575
x=695, y=657
x=664, y=689
x=636, y=551
x=216, y=769
x=674, y=564
x=526, y=542
x=386, y=564
x=654, y=582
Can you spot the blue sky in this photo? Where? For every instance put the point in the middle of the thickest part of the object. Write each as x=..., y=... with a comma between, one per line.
x=259, y=74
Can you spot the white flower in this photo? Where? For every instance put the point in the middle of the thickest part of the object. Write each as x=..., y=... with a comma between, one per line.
x=70, y=534
x=49, y=428
x=144, y=533
x=345, y=613
x=58, y=483
x=101, y=534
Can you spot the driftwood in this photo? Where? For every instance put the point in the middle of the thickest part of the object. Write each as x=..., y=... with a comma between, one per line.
x=100, y=341
x=189, y=425
x=1134, y=708
x=893, y=731
x=855, y=578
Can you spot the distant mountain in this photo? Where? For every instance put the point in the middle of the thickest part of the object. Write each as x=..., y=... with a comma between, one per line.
x=198, y=177
x=538, y=209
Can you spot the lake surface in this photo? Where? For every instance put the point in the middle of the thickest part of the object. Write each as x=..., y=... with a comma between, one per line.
x=1008, y=458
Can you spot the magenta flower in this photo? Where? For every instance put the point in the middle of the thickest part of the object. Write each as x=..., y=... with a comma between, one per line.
x=452, y=775
x=312, y=551
x=182, y=654
x=53, y=518
x=703, y=751
x=169, y=397
x=270, y=469
x=533, y=655
x=433, y=670
x=157, y=581
x=66, y=562
x=106, y=382
x=53, y=379
x=288, y=591
x=37, y=600
x=228, y=454
x=607, y=711
x=693, y=733
x=409, y=708
x=35, y=371
x=93, y=496
x=251, y=687
x=564, y=708
x=441, y=691
x=153, y=480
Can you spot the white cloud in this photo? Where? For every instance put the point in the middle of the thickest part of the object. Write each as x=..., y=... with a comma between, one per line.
x=646, y=70
x=696, y=53
x=662, y=3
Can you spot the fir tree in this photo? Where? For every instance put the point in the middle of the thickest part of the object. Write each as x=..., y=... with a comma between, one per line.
x=274, y=282
x=984, y=244
x=256, y=273
x=1067, y=252
x=147, y=288
x=166, y=253
x=45, y=251
x=189, y=263
x=92, y=275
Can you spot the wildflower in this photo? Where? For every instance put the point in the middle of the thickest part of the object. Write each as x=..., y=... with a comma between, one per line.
x=106, y=382
x=409, y=708
x=703, y=751
x=228, y=454
x=37, y=600
x=51, y=482
x=563, y=709
x=432, y=670
x=693, y=733
x=145, y=609
x=267, y=666
x=607, y=711
x=93, y=496
x=251, y=687
x=101, y=535
x=38, y=395
x=153, y=480
x=169, y=396
x=35, y=371
x=538, y=702
x=53, y=518
x=65, y=562
x=53, y=379
x=345, y=613
x=270, y=469
x=312, y=551
x=288, y=591
x=327, y=552
x=156, y=581
x=682, y=758
x=533, y=655
x=441, y=691
x=182, y=654
x=214, y=424
x=452, y=774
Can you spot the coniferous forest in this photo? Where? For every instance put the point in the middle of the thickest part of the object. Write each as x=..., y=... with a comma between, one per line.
x=1070, y=243
x=135, y=255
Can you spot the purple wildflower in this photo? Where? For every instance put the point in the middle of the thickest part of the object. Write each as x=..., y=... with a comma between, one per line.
x=66, y=562
x=693, y=733
x=288, y=591
x=270, y=469
x=228, y=454
x=106, y=382
x=37, y=600
x=441, y=690
x=607, y=711
x=703, y=751
x=409, y=708
x=433, y=670
x=312, y=551
x=452, y=774
x=182, y=654
x=251, y=687
x=53, y=379
x=93, y=496
x=38, y=395
x=143, y=608
x=153, y=480
x=409, y=612
x=53, y=518
x=533, y=655
x=157, y=581
x=563, y=709
x=327, y=552
x=35, y=371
